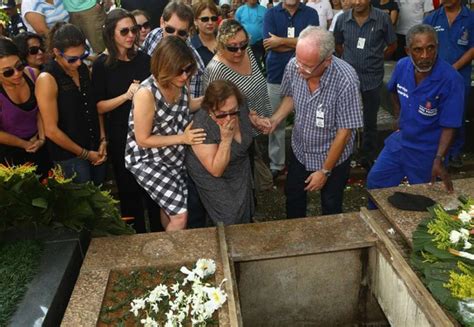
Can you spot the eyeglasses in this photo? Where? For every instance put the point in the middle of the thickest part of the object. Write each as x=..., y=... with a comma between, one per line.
x=188, y=69
x=10, y=71
x=235, y=49
x=145, y=25
x=73, y=59
x=205, y=19
x=172, y=30
x=306, y=70
x=226, y=114
x=34, y=50
x=134, y=30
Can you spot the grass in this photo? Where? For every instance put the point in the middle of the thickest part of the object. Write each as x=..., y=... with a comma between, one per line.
x=18, y=264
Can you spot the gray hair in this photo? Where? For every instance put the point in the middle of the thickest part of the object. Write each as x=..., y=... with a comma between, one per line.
x=420, y=29
x=320, y=36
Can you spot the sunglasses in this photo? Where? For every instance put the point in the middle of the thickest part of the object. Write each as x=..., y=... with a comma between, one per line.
x=172, y=30
x=188, y=69
x=10, y=71
x=226, y=114
x=134, y=30
x=235, y=49
x=145, y=25
x=205, y=19
x=73, y=59
x=34, y=50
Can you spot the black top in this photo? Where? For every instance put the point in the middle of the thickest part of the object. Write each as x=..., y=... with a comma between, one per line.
x=388, y=7
x=205, y=54
x=111, y=81
x=15, y=26
x=77, y=113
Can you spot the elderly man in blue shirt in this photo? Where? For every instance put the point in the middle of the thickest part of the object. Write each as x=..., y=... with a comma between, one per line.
x=454, y=24
x=428, y=93
x=323, y=92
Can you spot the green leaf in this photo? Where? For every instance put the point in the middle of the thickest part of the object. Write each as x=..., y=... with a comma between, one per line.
x=40, y=202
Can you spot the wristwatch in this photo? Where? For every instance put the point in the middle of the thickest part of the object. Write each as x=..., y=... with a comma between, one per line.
x=326, y=172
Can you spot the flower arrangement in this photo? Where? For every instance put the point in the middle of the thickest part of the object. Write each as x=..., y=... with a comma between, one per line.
x=444, y=255
x=194, y=300
x=26, y=201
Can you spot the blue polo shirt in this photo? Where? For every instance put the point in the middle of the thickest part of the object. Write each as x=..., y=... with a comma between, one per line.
x=276, y=21
x=252, y=19
x=454, y=41
x=427, y=108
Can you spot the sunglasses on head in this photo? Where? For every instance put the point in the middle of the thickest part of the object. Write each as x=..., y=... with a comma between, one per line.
x=187, y=69
x=205, y=19
x=235, y=49
x=134, y=30
x=10, y=71
x=226, y=114
x=34, y=50
x=172, y=30
x=73, y=59
x=145, y=25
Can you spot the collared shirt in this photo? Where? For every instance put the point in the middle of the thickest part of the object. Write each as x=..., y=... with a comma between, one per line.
x=205, y=54
x=426, y=108
x=277, y=20
x=319, y=115
x=454, y=40
x=364, y=45
x=411, y=14
x=195, y=85
x=252, y=19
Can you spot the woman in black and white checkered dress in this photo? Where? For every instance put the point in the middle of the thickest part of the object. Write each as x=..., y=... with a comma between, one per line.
x=159, y=129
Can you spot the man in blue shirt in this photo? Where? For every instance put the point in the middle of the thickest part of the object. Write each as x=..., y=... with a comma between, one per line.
x=428, y=94
x=281, y=27
x=251, y=16
x=454, y=24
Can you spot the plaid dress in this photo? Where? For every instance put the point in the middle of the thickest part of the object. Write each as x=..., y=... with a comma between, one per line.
x=161, y=171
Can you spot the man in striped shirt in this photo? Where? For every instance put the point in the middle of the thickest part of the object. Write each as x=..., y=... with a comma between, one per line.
x=364, y=37
x=323, y=91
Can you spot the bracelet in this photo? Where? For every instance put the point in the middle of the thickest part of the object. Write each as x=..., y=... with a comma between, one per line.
x=84, y=154
x=41, y=140
x=438, y=156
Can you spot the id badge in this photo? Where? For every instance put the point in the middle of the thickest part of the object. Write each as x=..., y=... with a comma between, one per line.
x=291, y=32
x=320, y=118
x=361, y=43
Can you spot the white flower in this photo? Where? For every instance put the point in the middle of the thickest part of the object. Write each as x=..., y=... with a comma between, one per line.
x=137, y=304
x=205, y=267
x=464, y=233
x=175, y=288
x=149, y=322
x=454, y=236
x=467, y=245
x=217, y=297
x=191, y=276
x=464, y=217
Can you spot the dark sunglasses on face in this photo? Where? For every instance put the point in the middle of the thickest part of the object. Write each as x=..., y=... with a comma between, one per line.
x=73, y=59
x=172, y=30
x=34, y=50
x=235, y=49
x=205, y=19
x=188, y=69
x=145, y=25
x=10, y=71
x=226, y=114
x=134, y=30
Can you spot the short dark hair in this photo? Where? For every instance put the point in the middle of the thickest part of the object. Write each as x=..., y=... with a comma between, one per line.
x=21, y=41
x=217, y=92
x=108, y=33
x=64, y=35
x=181, y=9
x=8, y=48
x=139, y=12
x=171, y=55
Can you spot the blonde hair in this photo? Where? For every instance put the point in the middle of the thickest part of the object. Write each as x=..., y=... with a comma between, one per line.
x=227, y=30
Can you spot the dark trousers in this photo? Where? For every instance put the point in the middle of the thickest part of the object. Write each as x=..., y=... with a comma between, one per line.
x=258, y=51
x=400, y=50
x=371, y=103
x=331, y=194
x=134, y=200
x=196, y=211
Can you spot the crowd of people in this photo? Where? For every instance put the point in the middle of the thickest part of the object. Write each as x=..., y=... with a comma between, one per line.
x=173, y=96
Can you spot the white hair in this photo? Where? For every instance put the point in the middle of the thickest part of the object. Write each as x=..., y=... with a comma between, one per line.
x=321, y=38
